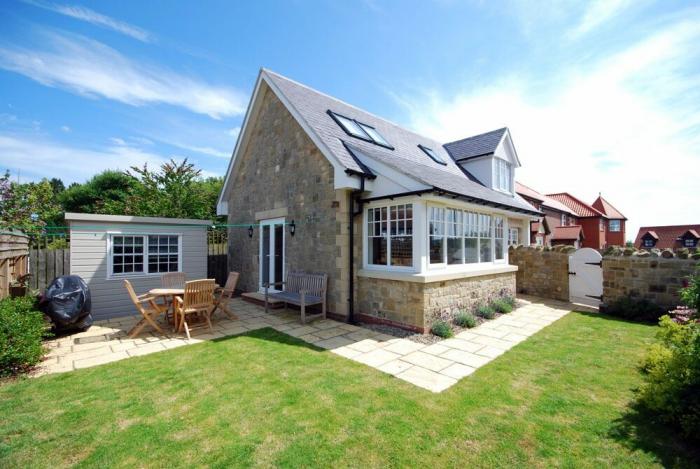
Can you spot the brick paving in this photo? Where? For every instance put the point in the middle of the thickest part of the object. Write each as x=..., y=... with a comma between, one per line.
x=433, y=367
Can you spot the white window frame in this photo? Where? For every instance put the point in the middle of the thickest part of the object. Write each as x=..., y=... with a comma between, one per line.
x=648, y=243
x=512, y=238
x=563, y=220
x=618, y=224
x=365, y=239
x=689, y=242
x=145, y=273
x=503, y=175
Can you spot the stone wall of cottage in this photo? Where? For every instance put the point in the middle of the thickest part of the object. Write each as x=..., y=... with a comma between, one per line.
x=543, y=273
x=655, y=279
x=281, y=172
x=420, y=304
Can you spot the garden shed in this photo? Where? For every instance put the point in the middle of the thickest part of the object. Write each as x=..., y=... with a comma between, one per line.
x=107, y=249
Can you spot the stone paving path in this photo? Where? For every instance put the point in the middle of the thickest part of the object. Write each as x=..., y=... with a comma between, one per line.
x=434, y=367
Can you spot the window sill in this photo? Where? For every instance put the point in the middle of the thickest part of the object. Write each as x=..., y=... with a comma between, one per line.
x=439, y=276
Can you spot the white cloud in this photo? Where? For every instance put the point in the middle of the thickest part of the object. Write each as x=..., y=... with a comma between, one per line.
x=598, y=12
x=203, y=150
x=65, y=128
x=37, y=158
x=117, y=141
x=98, y=19
x=626, y=126
x=234, y=132
x=92, y=69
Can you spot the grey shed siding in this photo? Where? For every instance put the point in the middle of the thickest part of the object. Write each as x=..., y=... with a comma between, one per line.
x=89, y=260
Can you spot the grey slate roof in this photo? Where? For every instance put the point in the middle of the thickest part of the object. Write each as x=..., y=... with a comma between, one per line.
x=478, y=145
x=406, y=157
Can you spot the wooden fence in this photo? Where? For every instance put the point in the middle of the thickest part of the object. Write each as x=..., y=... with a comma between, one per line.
x=13, y=259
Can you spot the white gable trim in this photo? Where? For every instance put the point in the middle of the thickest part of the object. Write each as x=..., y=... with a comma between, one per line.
x=506, y=150
x=341, y=178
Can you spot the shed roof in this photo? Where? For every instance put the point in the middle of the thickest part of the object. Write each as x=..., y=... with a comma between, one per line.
x=580, y=208
x=567, y=233
x=606, y=208
x=71, y=216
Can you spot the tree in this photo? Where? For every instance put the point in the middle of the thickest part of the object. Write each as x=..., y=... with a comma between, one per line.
x=57, y=185
x=174, y=190
x=28, y=207
x=104, y=193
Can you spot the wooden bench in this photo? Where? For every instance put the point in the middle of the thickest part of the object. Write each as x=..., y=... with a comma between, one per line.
x=301, y=289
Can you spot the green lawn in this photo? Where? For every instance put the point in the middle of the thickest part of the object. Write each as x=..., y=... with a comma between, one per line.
x=559, y=399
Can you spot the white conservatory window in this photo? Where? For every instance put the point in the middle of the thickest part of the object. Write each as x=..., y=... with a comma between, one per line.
x=436, y=233
x=499, y=235
x=390, y=235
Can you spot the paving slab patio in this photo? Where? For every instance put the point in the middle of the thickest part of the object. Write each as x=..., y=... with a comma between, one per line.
x=433, y=367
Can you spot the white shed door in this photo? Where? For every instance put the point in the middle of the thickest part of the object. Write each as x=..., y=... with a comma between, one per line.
x=586, y=277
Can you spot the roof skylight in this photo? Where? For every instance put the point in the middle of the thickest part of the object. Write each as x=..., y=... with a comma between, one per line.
x=360, y=130
x=434, y=156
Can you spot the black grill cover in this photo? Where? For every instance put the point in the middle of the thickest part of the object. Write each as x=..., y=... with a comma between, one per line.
x=67, y=303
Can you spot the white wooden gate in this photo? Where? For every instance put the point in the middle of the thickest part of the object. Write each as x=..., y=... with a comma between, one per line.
x=586, y=277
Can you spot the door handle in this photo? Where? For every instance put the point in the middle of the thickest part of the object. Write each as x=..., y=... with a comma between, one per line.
x=572, y=273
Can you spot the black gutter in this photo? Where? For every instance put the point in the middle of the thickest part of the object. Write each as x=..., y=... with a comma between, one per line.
x=354, y=197
x=454, y=195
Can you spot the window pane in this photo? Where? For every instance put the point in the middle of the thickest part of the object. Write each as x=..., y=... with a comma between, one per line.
x=377, y=251
x=499, y=235
x=471, y=250
x=454, y=250
x=402, y=251
x=436, y=250
x=485, y=250
x=351, y=127
x=374, y=135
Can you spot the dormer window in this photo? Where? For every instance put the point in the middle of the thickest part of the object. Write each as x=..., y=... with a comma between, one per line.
x=503, y=176
x=360, y=130
x=434, y=156
x=648, y=243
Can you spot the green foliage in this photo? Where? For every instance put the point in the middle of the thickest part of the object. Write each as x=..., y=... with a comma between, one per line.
x=442, y=329
x=690, y=295
x=27, y=207
x=503, y=305
x=465, y=319
x=175, y=190
x=105, y=193
x=22, y=329
x=58, y=243
x=672, y=376
x=634, y=310
x=486, y=311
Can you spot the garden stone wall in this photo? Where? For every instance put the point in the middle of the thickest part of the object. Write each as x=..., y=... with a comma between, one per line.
x=541, y=272
x=656, y=279
x=418, y=305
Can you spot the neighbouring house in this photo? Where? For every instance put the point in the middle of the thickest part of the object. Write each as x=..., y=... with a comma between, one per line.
x=406, y=227
x=615, y=225
x=551, y=228
x=107, y=249
x=668, y=237
x=601, y=224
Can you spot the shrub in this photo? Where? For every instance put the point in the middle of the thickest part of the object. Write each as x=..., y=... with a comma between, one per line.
x=485, y=311
x=634, y=310
x=465, y=319
x=690, y=293
x=442, y=329
x=502, y=306
x=672, y=376
x=22, y=328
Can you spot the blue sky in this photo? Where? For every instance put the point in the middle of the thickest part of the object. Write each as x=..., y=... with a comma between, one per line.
x=599, y=96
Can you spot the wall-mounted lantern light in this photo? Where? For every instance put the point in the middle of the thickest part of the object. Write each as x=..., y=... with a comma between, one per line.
x=292, y=228
x=250, y=231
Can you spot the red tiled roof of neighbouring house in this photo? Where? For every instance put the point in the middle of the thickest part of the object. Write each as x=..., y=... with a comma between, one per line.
x=666, y=236
x=607, y=209
x=580, y=208
x=567, y=233
x=526, y=191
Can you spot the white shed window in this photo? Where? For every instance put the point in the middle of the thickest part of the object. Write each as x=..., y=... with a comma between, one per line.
x=390, y=235
x=144, y=254
x=503, y=179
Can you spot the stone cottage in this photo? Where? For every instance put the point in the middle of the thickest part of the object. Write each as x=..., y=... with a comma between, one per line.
x=405, y=227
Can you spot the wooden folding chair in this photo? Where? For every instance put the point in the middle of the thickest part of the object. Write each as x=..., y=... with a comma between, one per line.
x=149, y=309
x=198, y=299
x=225, y=294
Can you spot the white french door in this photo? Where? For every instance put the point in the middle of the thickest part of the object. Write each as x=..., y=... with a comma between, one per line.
x=271, y=252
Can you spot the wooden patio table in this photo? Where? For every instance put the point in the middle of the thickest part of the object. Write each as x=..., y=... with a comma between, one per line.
x=168, y=293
